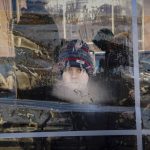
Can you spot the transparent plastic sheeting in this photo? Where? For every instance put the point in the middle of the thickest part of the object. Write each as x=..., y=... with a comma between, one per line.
x=35, y=84
x=72, y=69
x=103, y=53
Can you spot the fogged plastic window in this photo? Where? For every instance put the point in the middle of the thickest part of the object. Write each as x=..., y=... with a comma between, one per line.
x=144, y=67
x=72, y=65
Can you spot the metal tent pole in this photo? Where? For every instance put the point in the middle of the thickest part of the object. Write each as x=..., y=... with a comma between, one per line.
x=136, y=75
x=64, y=18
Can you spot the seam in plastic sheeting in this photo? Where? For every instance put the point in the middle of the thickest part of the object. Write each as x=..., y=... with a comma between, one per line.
x=69, y=134
x=62, y=107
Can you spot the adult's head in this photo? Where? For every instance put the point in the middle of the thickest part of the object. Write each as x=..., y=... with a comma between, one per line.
x=77, y=64
x=103, y=39
x=121, y=41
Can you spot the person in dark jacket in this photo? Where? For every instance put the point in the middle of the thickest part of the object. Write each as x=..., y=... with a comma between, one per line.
x=73, y=85
x=103, y=40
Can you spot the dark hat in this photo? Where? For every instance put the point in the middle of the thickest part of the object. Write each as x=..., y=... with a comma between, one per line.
x=103, y=39
x=77, y=54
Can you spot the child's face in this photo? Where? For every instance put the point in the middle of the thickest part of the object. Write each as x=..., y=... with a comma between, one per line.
x=75, y=78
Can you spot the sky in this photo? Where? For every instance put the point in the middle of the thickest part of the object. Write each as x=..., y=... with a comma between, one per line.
x=90, y=3
x=97, y=3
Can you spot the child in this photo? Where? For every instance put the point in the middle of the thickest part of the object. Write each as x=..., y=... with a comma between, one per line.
x=76, y=67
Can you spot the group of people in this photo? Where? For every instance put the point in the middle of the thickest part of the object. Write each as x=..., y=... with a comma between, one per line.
x=75, y=83
x=75, y=67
